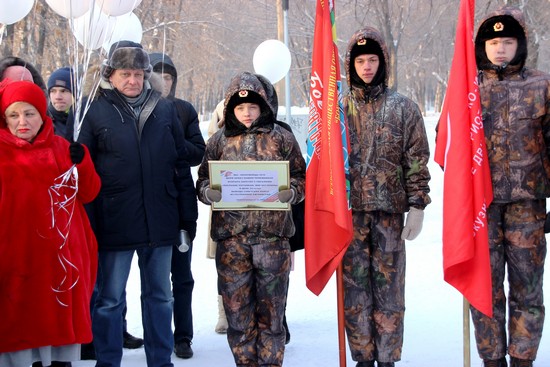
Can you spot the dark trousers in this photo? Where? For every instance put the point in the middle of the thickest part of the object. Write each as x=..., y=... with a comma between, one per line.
x=182, y=290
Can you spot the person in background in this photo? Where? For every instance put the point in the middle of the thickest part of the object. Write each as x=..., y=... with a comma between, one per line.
x=182, y=278
x=253, y=252
x=61, y=84
x=137, y=143
x=389, y=176
x=216, y=122
x=15, y=68
x=48, y=252
x=515, y=104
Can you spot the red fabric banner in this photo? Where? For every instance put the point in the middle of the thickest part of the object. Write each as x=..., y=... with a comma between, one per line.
x=328, y=223
x=467, y=189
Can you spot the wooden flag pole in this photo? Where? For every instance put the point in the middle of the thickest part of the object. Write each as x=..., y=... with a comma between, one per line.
x=341, y=320
x=466, y=331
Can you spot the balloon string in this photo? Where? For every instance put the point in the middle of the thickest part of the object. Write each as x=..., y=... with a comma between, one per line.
x=62, y=202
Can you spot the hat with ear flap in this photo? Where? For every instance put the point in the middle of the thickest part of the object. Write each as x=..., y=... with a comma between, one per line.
x=245, y=96
x=126, y=55
x=500, y=26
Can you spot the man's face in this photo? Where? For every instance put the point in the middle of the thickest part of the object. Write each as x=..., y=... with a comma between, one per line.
x=168, y=80
x=61, y=98
x=129, y=82
x=501, y=50
x=366, y=67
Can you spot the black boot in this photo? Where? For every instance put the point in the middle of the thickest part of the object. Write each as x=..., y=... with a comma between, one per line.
x=87, y=352
x=365, y=364
x=501, y=362
x=385, y=364
x=516, y=362
x=130, y=341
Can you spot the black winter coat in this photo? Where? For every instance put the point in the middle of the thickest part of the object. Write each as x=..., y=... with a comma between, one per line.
x=146, y=180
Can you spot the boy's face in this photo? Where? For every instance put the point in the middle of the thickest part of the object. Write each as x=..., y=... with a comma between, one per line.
x=168, y=80
x=247, y=113
x=501, y=50
x=366, y=66
x=61, y=98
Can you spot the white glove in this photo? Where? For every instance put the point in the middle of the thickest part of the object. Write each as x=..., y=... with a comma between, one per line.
x=213, y=196
x=413, y=224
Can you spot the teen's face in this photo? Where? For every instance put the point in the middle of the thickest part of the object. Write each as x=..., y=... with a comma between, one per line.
x=366, y=67
x=501, y=49
x=167, y=80
x=23, y=120
x=247, y=113
x=128, y=81
x=61, y=98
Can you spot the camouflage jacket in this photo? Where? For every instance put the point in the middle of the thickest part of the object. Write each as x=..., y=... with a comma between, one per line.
x=263, y=141
x=389, y=148
x=516, y=120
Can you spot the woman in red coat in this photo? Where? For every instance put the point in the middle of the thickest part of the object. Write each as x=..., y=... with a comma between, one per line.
x=48, y=253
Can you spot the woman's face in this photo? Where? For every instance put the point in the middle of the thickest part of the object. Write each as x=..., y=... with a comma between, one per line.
x=247, y=113
x=23, y=120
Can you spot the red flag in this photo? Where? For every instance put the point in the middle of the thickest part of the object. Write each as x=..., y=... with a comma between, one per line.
x=467, y=189
x=328, y=224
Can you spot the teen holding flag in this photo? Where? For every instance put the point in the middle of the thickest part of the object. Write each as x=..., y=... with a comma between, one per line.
x=389, y=177
x=515, y=103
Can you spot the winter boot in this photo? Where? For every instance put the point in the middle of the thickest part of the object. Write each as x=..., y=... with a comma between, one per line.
x=516, y=362
x=221, y=326
x=365, y=364
x=385, y=364
x=495, y=362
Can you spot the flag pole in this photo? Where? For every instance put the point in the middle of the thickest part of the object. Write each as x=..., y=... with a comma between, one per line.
x=341, y=320
x=466, y=330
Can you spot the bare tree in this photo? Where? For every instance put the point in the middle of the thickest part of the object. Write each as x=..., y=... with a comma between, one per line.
x=212, y=40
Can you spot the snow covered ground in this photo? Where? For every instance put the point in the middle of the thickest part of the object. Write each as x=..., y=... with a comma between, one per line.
x=433, y=319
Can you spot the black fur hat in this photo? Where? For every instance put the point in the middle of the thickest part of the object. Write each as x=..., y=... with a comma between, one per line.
x=246, y=96
x=500, y=26
x=126, y=55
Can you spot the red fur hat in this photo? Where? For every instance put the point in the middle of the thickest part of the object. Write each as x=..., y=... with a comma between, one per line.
x=22, y=91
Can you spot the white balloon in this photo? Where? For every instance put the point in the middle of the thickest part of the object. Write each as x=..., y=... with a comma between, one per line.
x=272, y=60
x=127, y=27
x=93, y=28
x=13, y=11
x=116, y=8
x=70, y=8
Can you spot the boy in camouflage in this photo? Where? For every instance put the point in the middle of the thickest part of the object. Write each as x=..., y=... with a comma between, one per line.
x=253, y=251
x=389, y=176
x=515, y=106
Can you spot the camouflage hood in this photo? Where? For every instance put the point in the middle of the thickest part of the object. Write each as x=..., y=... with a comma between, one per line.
x=364, y=38
x=246, y=87
x=507, y=21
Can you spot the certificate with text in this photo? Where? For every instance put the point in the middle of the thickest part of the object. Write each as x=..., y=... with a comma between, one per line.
x=249, y=185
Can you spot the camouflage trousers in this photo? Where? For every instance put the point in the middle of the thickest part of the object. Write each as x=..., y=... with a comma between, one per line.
x=516, y=244
x=253, y=281
x=374, y=287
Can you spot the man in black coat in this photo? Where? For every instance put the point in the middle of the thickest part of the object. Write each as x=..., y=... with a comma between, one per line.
x=138, y=148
